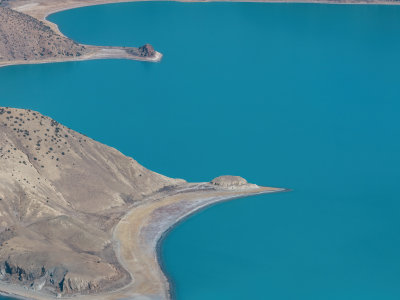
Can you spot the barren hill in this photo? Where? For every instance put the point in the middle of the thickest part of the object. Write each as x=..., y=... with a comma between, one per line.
x=23, y=37
x=61, y=193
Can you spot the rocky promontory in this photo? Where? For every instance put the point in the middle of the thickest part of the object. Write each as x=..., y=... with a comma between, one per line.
x=232, y=182
x=146, y=50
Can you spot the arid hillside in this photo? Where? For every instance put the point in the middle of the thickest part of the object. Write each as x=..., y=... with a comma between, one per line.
x=23, y=37
x=61, y=193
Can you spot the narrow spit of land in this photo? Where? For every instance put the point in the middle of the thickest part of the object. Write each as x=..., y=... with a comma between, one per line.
x=55, y=47
x=79, y=219
x=28, y=38
x=136, y=239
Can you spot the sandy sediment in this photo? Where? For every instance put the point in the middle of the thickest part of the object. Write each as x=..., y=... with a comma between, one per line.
x=95, y=52
x=40, y=9
x=144, y=227
x=138, y=234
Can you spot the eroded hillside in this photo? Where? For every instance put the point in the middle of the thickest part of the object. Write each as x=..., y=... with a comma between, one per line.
x=61, y=193
x=23, y=37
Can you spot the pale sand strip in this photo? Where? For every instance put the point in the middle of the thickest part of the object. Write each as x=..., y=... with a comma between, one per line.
x=137, y=235
x=40, y=9
x=142, y=229
x=96, y=52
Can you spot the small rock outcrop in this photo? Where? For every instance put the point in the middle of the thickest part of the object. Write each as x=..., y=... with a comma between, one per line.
x=229, y=181
x=146, y=50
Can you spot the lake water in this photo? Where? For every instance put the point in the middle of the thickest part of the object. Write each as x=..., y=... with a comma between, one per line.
x=299, y=96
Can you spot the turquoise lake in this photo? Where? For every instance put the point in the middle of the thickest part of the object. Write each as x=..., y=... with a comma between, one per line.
x=300, y=96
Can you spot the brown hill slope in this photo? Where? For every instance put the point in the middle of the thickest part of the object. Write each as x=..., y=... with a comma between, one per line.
x=60, y=195
x=23, y=37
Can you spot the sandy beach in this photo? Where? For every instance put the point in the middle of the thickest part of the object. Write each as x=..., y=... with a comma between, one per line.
x=138, y=235
x=40, y=9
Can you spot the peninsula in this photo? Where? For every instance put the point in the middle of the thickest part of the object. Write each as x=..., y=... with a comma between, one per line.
x=26, y=37
x=27, y=40
x=78, y=218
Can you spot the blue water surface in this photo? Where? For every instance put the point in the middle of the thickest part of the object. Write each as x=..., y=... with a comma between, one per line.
x=299, y=96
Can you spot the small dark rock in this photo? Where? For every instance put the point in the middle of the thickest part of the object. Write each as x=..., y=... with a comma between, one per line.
x=146, y=50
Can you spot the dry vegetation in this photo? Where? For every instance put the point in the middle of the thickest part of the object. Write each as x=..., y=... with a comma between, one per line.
x=61, y=193
x=23, y=37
